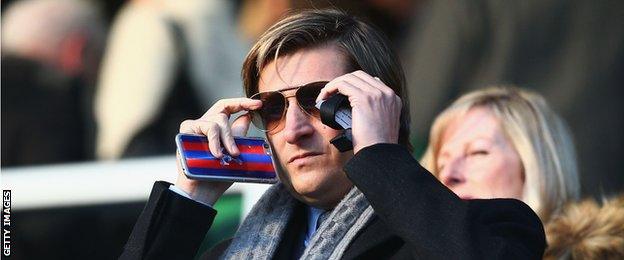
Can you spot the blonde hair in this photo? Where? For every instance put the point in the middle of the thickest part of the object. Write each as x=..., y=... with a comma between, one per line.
x=540, y=137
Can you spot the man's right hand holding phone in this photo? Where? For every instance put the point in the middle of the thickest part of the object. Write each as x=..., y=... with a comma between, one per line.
x=214, y=124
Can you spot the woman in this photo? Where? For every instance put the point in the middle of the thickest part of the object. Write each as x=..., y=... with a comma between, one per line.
x=504, y=142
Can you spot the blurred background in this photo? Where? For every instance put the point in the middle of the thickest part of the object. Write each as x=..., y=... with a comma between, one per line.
x=94, y=91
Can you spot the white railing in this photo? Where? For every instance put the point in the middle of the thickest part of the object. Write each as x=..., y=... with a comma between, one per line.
x=93, y=183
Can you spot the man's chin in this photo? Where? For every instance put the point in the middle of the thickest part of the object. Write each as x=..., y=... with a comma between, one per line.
x=312, y=190
x=319, y=195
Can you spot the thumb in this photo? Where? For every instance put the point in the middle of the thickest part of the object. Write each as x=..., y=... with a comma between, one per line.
x=241, y=125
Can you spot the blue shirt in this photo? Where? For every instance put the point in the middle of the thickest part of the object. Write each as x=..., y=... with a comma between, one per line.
x=313, y=217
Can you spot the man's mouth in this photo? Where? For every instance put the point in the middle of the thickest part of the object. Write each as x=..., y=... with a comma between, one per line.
x=302, y=156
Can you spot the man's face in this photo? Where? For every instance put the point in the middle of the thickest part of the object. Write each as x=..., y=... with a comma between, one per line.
x=313, y=166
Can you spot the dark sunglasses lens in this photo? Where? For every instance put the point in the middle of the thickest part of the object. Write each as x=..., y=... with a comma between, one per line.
x=268, y=117
x=306, y=97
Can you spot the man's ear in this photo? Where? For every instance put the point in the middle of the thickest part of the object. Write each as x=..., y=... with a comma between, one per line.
x=71, y=53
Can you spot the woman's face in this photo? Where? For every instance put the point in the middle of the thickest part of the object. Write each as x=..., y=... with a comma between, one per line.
x=476, y=161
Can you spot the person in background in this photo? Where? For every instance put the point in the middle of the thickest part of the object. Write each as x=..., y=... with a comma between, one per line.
x=375, y=202
x=150, y=67
x=587, y=230
x=504, y=142
x=167, y=61
x=570, y=51
x=50, y=56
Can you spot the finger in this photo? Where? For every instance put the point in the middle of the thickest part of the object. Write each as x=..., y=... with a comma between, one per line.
x=216, y=129
x=213, y=133
x=361, y=83
x=373, y=81
x=240, y=126
x=329, y=89
x=333, y=86
x=228, y=141
x=346, y=89
x=186, y=127
x=367, y=77
x=234, y=105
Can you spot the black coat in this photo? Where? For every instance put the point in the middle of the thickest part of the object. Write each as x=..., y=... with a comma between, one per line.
x=43, y=120
x=415, y=217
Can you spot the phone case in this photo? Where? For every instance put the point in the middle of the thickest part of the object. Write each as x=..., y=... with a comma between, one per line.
x=254, y=164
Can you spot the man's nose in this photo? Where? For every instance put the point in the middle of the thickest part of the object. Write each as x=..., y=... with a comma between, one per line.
x=453, y=173
x=297, y=123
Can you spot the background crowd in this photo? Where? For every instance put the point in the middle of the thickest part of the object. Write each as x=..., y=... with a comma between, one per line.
x=107, y=80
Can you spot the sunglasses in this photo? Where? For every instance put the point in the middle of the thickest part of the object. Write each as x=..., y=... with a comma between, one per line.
x=270, y=117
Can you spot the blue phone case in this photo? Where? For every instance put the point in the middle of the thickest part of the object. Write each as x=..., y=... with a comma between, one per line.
x=254, y=164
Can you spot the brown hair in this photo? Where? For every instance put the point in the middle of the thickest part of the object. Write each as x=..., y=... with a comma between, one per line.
x=364, y=47
x=587, y=230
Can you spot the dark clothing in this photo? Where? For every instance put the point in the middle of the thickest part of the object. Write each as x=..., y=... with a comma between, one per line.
x=43, y=118
x=415, y=217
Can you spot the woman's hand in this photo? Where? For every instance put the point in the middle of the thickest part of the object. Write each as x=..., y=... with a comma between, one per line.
x=375, y=108
x=214, y=124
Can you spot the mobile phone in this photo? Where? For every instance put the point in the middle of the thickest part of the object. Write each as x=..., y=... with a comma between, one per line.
x=254, y=164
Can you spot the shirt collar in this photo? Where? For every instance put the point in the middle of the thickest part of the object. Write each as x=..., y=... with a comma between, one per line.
x=313, y=217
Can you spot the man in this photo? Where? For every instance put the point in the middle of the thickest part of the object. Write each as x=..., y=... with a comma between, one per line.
x=376, y=202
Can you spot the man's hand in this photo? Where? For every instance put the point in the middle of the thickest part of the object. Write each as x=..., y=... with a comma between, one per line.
x=376, y=109
x=215, y=126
